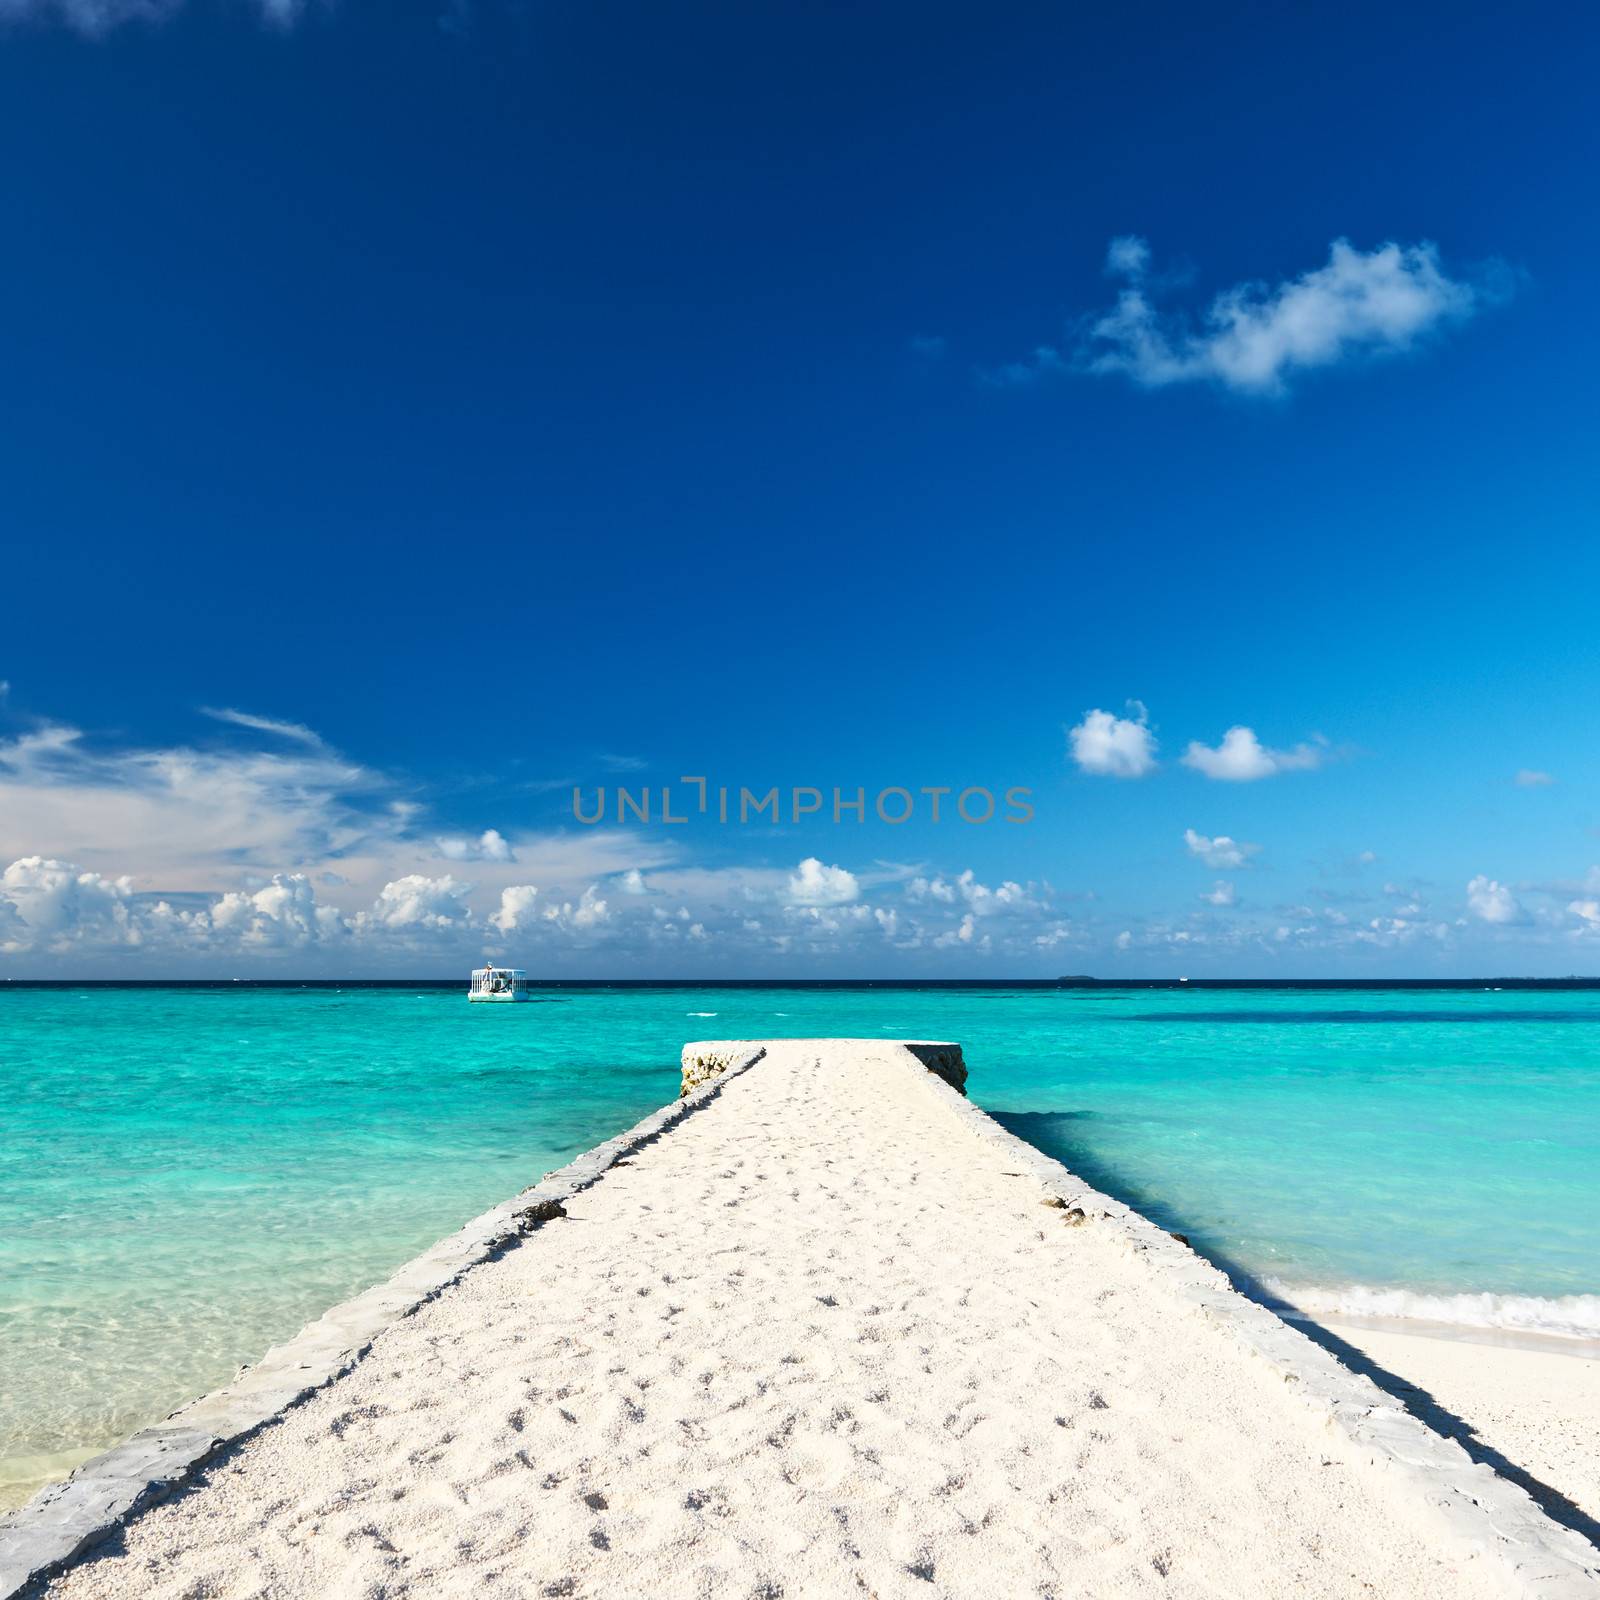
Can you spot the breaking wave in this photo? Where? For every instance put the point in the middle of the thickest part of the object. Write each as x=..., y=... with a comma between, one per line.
x=1567, y=1316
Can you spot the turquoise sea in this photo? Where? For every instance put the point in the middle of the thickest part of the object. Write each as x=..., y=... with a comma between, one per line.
x=188, y=1174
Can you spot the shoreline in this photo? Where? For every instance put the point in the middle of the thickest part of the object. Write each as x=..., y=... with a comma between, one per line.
x=1464, y=1505
x=1552, y=1344
x=65, y=1520
x=1528, y=1407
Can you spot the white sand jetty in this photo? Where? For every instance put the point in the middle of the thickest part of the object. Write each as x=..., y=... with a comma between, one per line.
x=822, y=1329
x=1531, y=1405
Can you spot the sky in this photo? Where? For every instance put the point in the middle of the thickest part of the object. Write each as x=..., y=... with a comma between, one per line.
x=413, y=414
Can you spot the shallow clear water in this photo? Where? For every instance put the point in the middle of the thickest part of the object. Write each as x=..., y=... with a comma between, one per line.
x=188, y=1175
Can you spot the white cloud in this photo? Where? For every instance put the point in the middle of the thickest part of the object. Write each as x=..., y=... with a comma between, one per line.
x=963, y=934
x=589, y=912
x=184, y=821
x=1221, y=895
x=516, y=907
x=489, y=846
x=821, y=924
x=813, y=884
x=297, y=731
x=1242, y=758
x=95, y=18
x=1114, y=747
x=1528, y=778
x=1492, y=901
x=1588, y=913
x=965, y=888
x=1220, y=852
x=1253, y=337
x=1127, y=256
x=419, y=903
x=52, y=905
x=283, y=915
x=233, y=852
x=194, y=815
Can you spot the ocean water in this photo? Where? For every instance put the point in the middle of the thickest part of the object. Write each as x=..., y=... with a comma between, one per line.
x=187, y=1175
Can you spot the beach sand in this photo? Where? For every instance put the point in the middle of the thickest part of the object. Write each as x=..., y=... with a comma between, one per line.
x=1531, y=1408
x=819, y=1339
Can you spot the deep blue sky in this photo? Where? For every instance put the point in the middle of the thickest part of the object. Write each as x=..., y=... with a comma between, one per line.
x=634, y=362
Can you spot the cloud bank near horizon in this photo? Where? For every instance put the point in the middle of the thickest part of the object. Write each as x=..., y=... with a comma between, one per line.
x=199, y=859
x=191, y=854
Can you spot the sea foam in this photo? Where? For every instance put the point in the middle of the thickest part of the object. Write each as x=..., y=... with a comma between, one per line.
x=1568, y=1316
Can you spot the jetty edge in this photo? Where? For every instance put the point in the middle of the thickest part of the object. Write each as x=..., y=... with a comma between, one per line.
x=66, y=1520
x=1464, y=1506
x=1473, y=1506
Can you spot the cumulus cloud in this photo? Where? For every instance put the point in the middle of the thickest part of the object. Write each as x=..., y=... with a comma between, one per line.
x=962, y=935
x=589, y=912
x=1220, y=895
x=52, y=905
x=1242, y=758
x=95, y=18
x=813, y=884
x=1588, y=914
x=1528, y=778
x=418, y=903
x=1220, y=852
x=282, y=915
x=591, y=909
x=1253, y=338
x=1114, y=747
x=1491, y=901
x=516, y=907
x=965, y=889
x=488, y=846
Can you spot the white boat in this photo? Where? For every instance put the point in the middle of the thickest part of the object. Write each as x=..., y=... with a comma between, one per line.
x=500, y=985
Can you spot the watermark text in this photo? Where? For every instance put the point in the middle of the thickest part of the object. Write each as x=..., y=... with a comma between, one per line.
x=668, y=804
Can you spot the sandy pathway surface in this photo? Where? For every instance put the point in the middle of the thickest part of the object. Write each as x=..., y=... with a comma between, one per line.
x=816, y=1340
x=1538, y=1408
